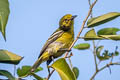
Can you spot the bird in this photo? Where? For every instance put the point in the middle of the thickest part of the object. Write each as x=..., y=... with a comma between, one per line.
x=58, y=43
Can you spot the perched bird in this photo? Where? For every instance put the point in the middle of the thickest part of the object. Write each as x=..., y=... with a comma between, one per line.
x=59, y=41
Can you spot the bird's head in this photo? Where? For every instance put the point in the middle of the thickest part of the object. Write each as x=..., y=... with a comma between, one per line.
x=66, y=22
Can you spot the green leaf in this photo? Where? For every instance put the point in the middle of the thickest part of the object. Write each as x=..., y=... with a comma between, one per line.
x=36, y=76
x=4, y=13
x=105, y=56
x=9, y=57
x=108, y=31
x=82, y=46
x=76, y=71
x=111, y=37
x=91, y=35
x=98, y=51
x=63, y=69
x=25, y=71
x=7, y=74
x=102, y=19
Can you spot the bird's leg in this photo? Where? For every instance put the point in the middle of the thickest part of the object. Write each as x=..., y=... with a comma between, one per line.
x=48, y=62
x=65, y=49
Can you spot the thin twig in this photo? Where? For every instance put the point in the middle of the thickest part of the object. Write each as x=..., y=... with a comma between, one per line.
x=94, y=46
x=91, y=15
x=98, y=43
x=94, y=75
x=82, y=27
x=14, y=70
x=50, y=74
x=94, y=52
x=70, y=63
x=71, y=54
x=106, y=66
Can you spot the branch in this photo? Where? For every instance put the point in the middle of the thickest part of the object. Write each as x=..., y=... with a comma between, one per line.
x=82, y=27
x=50, y=74
x=14, y=70
x=94, y=52
x=106, y=66
x=70, y=60
x=94, y=46
x=91, y=15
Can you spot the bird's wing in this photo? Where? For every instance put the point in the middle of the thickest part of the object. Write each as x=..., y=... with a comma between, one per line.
x=52, y=38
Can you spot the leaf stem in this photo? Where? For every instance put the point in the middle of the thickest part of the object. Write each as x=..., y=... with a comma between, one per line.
x=70, y=63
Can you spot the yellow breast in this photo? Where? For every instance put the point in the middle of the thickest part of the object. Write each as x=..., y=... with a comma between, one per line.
x=67, y=39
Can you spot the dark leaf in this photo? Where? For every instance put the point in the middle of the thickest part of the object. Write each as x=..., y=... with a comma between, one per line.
x=76, y=71
x=104, y=56
x=108, y=31
x=7, y=74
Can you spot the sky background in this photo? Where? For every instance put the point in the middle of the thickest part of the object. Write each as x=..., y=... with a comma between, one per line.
x=31, y=22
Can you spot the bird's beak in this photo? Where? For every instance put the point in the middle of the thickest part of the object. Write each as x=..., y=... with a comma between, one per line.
x=73, y=17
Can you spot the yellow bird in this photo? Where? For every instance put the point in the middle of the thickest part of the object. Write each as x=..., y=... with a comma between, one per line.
x=59, y=41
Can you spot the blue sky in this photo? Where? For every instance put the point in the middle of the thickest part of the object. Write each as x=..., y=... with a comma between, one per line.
x=31, y=22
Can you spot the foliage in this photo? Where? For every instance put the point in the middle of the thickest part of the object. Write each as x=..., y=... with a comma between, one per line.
x=7, y=74
x=37, y=77
x=106, y=54
x=102, y=34
x=25, y=71
x=108, y=31
x=9, y=57
x=102, y=19
x=91, y=35
x=65, y=71
x=6, y=56
x=76, y=71
x=4, y=14
x=82, y=46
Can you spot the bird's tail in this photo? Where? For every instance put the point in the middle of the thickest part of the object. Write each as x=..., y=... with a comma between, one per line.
x=36, y=64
